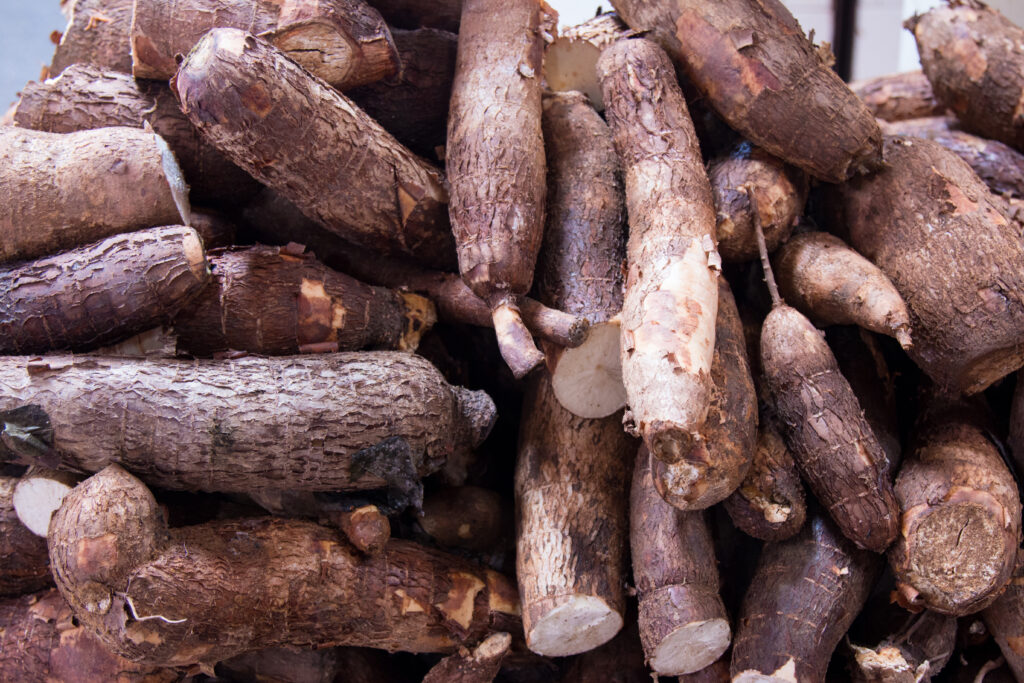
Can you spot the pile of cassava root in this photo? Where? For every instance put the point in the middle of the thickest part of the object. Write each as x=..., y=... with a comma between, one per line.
x=418, y=341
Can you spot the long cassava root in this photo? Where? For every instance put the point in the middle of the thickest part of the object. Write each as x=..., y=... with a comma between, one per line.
x=328, y=423
x=134, y=583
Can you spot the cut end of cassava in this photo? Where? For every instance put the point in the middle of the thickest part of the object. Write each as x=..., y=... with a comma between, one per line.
x=420, y=316
x=691, y=647
x=581, y=623
x=784, y=674
x=515, y=341
x=587, y=380
x=885, y=664
x=668, y=442
x=175, y=180
x=319, y=49
x=38, y=494
x=195, y=255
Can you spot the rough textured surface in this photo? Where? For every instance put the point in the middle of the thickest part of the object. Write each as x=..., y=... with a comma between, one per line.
x=24, y=565
x=414, y=108
x=754, y=65
x=101, y=293
x=824, y=427
x=912, y=654
x=826, y=280
x=40, y=642
x=272, y=301
x=973, y=57
x=961, y=514
x=780, y=192
x=769, y=503
x=495, y=159
x=479, y=666
x=803, y=597
x=328, y=423
x=683, y=623
x=720, y=459
x=98, y=33
x=84, y=96
x=277, y=221
x=1005, y=620
x=671, y=302
x=338, y=165
x=934, y=228
x=1000, y=166
x=62, y=191
x=209, y=592
x=572, y=476
x=344, y=42
x=580, y=265
x=897, y=97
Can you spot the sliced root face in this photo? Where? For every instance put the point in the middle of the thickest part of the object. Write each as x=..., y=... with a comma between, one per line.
x=579, y=624
x=691, y=647
x=515, y=342
x=955, y=557
x=588, y=379
x=175, y=180
x=784, y=674
x=36, y=498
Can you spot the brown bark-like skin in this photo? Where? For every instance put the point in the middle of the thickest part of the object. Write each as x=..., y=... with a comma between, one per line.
x=495, y=159
x=479, y=666
x=769, y=503
x=580, y=266
x=972, y=56
x=961, y=515
x=754, y=65
x=366, y=528
x=463, y=517
x=936, y=231
x=330, y=423
x=84, y=96
x=62, y=191
x=272, y=301
x=779, y=190
x=674, y=570
x=671, y=301
x=572, y=478
x=998, y=164
x=1005, y=620
x=189, y=595
x=898, y=97
x=826, y=280
x=101, y=293
x=825, y=429
x=412, y=14
x=98, y=33
x=344, y=42
x=24, y=564
x=277, y=221
x=40, y=643
x=415, y=108
x=293, y=132
x=720, y=460
x=912, y=654
x=805, y=593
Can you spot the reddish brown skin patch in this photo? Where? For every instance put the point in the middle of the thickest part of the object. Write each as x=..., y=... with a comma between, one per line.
x=257, y=100
x=95, y=556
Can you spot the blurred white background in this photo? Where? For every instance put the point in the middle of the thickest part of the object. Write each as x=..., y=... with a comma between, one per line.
x=881, y=45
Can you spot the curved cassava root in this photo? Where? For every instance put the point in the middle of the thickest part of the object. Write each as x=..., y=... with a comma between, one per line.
x=327, y=423
x=344, y=42
x=84, y=97
x=495, y=162
x=900, y=96
x=754, y=65
x=339, y=167
x=272, y=301
x=188, y=595
x=671, y=300
x=101, y=293
x=823, y=278
x=124, y=179
x=98, y=33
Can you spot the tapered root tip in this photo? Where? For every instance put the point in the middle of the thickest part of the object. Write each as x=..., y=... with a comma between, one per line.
x=579, y=624
x=903, y=337
x=515, y=341
x=477, y=412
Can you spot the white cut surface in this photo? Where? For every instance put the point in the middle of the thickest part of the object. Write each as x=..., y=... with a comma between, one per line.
x=36, y=498
x=691, y=648
x=587, y=380
x=784, y=674
x=580, y=624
